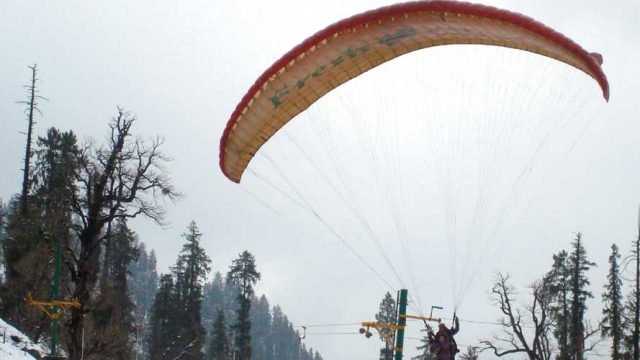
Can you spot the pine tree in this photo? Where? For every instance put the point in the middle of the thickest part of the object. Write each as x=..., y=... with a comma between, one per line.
x=163, y=323
x=557, y=281
x=309, y=354
x=425, y=346
x=220, y=341
x=57, y=160
x=280, y=327
x=578, y=265
x=629, y=320
x=4, y=211
x=386, y=315
x=3, y=235
x=243, y=273
x=190, y=271
x=32, y=239
x=214, y=299
x=632, y=306
x=113, y=321
x=612, y=312
x=260, y=328
x=123, y=253
x=142, y=282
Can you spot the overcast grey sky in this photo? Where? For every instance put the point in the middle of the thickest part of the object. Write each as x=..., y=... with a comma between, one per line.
x=181, y=67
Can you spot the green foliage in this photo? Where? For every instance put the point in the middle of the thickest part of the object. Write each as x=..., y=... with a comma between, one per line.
x=386, y=315
x=220, y=341
x=216, y=297
x=569, y=283
x=632, y=305
x=31, y=236
x=260, y=317
x=4, y=212
x=142, y=285
x=192, y=267
x=190, y=272
x=612, y=312
x=557, y=281
x=163, y=324
x=244, y=274
x=579, y=265
x=176, y=324
x=424, y=347
x=57, y=162
x=113, y=318
x=143, y=280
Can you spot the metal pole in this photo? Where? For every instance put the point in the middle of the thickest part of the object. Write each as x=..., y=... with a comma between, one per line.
x=402, y=322
x=82, y=348
x=55, y=296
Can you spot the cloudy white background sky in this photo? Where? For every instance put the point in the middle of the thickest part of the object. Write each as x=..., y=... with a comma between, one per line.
x=181, y=67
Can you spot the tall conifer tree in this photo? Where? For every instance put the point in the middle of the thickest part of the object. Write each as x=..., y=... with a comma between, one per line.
x=613, y=307
x=30, y=246
x=243, y=273
x=386, y=315
x=163, y=319
x=112, y=320
x=260, y=328
x=142, y=283
x=578, y=265
x=190, y=270
x=219, y=349
x=557, y=281
x=632, y=306
x=143, y=280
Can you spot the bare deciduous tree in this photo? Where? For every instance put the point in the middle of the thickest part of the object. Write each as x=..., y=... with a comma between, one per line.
x=525, y=331
x=124, y=179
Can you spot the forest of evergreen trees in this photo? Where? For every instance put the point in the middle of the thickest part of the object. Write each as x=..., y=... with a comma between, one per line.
x=67, y=236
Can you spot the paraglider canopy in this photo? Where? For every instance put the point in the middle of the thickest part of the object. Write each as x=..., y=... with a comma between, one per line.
x=357, y=44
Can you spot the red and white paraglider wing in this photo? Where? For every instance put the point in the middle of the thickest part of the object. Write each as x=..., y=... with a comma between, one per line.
x=355, y=45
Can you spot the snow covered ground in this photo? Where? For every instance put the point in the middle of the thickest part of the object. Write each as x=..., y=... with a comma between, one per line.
x=15, y=345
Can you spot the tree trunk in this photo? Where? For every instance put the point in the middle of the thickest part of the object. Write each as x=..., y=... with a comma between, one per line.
x=576, y=321
x=86, y=279
x=27, y=155
x=636, y=314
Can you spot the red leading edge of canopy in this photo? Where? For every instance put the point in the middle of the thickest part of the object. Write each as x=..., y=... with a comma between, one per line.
x=593, y=61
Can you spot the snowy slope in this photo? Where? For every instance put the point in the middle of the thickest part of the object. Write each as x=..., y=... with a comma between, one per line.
x=14, y=344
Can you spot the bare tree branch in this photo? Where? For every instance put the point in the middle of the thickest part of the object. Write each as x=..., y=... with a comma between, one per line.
x=124, y=179
x=534, y=343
